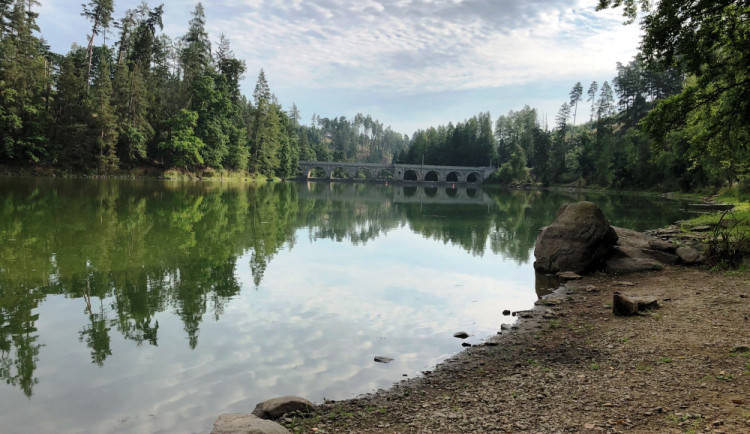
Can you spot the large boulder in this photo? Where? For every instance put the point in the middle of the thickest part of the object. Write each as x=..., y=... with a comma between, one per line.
x=277, y=407
x=579, y=240
x=241, y=423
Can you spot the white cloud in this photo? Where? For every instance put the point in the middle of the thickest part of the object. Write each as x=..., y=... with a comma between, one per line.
x=331, y=55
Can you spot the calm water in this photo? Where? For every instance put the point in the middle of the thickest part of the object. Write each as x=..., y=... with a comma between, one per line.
x=146, y=306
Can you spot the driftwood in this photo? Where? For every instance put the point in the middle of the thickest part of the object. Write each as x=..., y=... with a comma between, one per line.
x=626, y=305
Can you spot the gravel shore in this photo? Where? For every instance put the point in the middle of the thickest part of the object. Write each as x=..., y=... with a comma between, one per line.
x=573, y=366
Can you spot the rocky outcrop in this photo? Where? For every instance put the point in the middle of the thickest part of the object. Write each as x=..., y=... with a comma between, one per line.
x=579, y=240
x=625, y=265
x=277, y=407
x=637, y=252
x=242, y=423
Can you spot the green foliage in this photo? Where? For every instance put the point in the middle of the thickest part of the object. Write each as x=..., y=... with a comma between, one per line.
x=183, y=146
x=707, y=41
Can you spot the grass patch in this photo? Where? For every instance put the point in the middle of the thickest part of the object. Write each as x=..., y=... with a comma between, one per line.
x=665, y=360
x=595, y=367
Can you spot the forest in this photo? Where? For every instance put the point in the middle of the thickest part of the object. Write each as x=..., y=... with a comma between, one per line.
x=673, y=118
x=151, y=100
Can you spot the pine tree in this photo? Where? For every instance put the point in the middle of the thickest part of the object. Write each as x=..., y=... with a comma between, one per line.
x=260, y=114
x=99, y=12
x=575, y=98
x=605, y=105
x=72, y=114
x=593, y=89
x=104, y=119
x=24, y=82
x=195, y=55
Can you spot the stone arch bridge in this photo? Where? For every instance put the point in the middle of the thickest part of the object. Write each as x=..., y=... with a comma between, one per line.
x=398, y=172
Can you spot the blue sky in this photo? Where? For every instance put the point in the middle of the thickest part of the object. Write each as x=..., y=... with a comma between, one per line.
x=409, y=63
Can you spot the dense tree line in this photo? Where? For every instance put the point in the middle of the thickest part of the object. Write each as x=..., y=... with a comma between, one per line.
x=675, y=116
x=148, y=99
x=607, y=149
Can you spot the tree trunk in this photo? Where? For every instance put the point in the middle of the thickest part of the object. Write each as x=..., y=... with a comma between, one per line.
x=90, y=53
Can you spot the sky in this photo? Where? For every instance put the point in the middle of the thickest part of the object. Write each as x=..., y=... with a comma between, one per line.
x=411, y=64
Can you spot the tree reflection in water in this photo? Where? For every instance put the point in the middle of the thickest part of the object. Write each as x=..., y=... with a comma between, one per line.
x=133, y=249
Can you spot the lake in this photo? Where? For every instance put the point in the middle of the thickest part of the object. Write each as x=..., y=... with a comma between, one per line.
x=154, y=306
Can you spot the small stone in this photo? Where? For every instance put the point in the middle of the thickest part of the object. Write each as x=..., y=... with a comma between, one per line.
x=383, y=359
x=465, y=344
x=689, y=255
x=623, y=283
x=740, y=349
x=505, y=327
x=717, y=423
x=506, y=312
x=461, y=335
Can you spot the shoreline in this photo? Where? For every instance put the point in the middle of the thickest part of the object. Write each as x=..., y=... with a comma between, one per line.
x=571, y=365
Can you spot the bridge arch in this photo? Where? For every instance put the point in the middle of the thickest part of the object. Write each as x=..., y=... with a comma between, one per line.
x=317, y=172
x=432, y=176
x=341, y=173
x=362, y=173
x=411, y=175
x=474, y=178
x=385, y=174
x=452, y=177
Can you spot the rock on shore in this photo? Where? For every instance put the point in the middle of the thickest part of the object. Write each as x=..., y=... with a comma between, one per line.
x=579, y=240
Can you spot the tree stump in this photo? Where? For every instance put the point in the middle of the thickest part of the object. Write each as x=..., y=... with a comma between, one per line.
x=626, y=305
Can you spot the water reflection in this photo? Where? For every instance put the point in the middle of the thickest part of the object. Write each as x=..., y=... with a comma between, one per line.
x=129, y=252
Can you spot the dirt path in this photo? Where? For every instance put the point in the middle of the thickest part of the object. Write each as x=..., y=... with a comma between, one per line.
x=575, y=367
